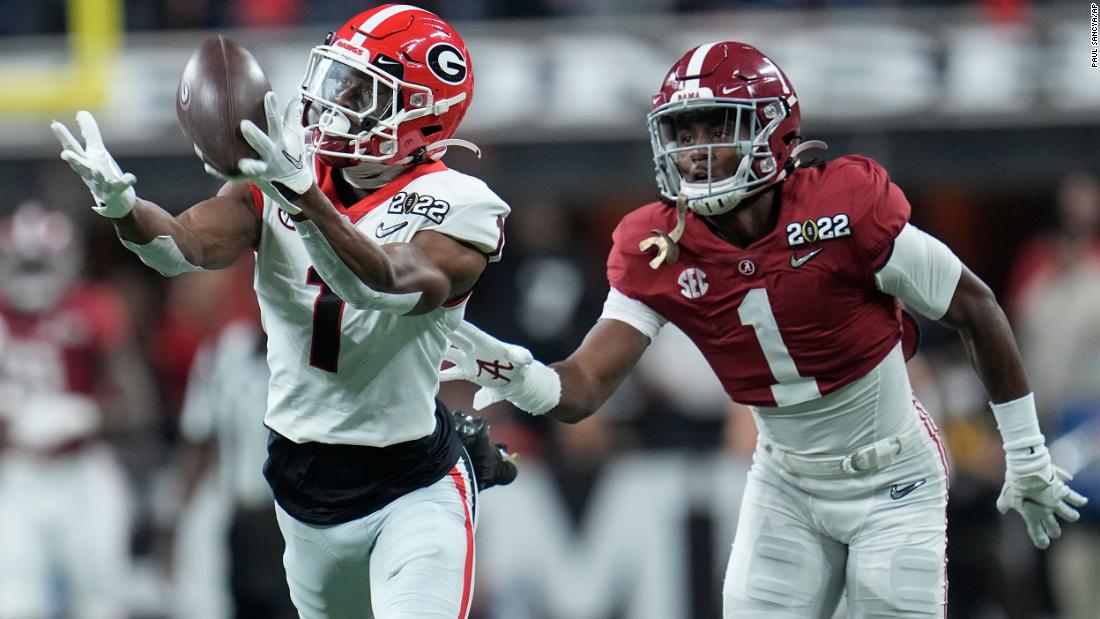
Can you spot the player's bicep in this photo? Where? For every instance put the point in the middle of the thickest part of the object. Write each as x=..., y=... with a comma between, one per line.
x=921, y=271
x=222, y=228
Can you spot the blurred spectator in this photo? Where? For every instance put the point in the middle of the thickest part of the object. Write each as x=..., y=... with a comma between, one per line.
x=1056, y=292
x=224, y=437
x=69, y=385
x=551, y=298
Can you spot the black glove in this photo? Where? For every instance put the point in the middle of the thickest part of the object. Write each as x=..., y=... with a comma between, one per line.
x=493, y=465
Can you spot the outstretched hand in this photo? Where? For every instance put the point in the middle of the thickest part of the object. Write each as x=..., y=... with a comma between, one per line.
x=1039, y=498
x=112, y=189
x=480, y=358
x=281, y=150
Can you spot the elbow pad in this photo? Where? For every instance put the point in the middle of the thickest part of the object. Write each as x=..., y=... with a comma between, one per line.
x=344, y=282
x=163, y=255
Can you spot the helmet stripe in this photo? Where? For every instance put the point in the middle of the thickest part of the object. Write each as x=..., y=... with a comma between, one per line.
x=695, y=65
x=376, y=20
x=782, y=78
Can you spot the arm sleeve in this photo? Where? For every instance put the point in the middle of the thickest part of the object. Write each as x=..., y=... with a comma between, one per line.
x=620, y=307
x=922, y=272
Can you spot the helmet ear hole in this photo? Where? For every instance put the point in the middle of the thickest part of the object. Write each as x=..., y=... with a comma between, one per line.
x=431, y=130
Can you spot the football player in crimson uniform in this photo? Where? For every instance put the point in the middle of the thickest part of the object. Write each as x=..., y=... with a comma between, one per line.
x=68, y=380
x=365, y=258
x=788, y=277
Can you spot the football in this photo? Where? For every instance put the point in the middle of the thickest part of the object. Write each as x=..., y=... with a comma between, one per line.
x=222, y=85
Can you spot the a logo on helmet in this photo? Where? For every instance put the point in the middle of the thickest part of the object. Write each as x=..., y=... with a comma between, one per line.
x=694, y=93
x=447, y=63
x=358, y=51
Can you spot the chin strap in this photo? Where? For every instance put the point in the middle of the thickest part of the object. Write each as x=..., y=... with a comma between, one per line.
x=665, y=243
x=371, y=175
x=803, y=147
x=440, y=148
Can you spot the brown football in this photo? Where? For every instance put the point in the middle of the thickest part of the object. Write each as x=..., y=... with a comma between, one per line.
x=222, y=85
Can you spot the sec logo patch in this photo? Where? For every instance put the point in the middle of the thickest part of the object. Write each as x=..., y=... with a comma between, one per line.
x=693, y=283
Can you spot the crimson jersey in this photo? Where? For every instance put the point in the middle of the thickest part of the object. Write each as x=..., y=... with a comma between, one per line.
x=796, y=314
x=60, y=349
x=49, y=363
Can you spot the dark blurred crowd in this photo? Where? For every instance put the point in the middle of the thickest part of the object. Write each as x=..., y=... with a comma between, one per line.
x=23, y=17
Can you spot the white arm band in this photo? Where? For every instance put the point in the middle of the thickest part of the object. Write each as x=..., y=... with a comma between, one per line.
x=634, y=313
x=922, y=272
x=163, y=255
x=539, y=391
x=1025, y=445
x=344, y=282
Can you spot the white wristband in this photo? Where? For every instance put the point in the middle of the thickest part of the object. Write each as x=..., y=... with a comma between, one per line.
x=539, y=391
x=1018, y=423
x=163, y=255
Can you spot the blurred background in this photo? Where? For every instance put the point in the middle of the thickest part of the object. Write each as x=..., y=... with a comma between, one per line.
x=131, y=406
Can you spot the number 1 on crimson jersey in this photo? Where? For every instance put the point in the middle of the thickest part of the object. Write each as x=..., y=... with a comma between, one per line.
x=791, y=388
x=328, y=310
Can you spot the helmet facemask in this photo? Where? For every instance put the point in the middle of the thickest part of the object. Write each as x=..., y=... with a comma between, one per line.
x=40, y=258
x=723, y=145
x=353, y=110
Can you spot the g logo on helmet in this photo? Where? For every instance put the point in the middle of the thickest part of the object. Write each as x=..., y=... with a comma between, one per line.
x=447, y=63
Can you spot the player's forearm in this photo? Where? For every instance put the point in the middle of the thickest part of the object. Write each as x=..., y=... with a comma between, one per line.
x=357, y=252
x=148, y=221
x=581, y=396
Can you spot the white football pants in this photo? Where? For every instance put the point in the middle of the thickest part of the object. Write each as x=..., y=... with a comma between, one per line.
x=64, y=519
x=413, y=559
x=803, y=541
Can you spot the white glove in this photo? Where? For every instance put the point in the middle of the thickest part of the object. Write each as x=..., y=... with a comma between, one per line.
x=1039, y=497
x=112, y=189
x=281, y=155
x=504, y=371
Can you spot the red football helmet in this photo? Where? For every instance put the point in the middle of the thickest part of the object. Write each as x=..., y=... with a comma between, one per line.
x=40, y=257
x=748, y=104
x=389, y=87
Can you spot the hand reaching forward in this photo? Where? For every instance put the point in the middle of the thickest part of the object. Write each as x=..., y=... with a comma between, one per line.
x=112, y=189
x=504, y=371
x=281, y=156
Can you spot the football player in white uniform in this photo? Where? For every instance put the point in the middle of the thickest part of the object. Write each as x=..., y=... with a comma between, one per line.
x=366, y=255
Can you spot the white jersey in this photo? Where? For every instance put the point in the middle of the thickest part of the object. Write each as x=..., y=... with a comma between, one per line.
x=361, y=377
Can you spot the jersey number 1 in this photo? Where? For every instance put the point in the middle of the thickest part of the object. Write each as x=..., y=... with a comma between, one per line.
x=791, y=388
x=328, y=310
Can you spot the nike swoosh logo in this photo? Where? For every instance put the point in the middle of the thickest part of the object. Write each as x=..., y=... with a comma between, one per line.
x=382, y=231
x=297, y=163
x=899, y=493
x=797, y=262
x=384, y=60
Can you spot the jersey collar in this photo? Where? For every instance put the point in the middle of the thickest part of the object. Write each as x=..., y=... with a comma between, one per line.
x=358, y=210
